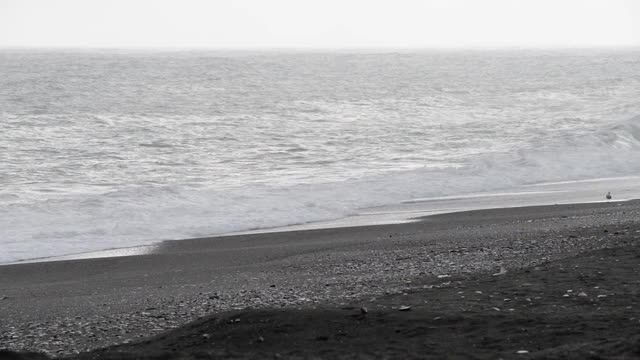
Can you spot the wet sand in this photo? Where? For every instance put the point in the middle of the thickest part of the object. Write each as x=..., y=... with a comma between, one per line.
x=301, y=286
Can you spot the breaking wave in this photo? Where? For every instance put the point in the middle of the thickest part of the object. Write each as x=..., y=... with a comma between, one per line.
x=139, y=215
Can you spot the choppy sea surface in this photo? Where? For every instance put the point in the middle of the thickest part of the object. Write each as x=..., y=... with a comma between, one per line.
x=111, y=149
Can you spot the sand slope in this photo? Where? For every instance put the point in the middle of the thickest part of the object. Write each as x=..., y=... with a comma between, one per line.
x=578, y=297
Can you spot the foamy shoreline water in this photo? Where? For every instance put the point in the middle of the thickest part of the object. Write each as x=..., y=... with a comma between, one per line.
x=577, y=192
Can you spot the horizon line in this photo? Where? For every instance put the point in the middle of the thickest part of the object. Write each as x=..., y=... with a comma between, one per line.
x=321, y=48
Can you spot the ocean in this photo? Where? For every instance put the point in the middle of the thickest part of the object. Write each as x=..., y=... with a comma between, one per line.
x=114, y=149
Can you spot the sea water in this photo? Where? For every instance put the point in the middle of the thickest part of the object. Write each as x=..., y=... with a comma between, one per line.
x=112, y=149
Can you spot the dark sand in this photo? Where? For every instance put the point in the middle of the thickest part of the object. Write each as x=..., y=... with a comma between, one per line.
x=305, y=290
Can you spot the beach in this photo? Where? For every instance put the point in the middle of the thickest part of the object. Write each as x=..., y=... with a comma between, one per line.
x=536, y=282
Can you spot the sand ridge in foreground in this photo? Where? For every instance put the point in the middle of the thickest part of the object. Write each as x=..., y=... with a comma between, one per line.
x=582, y=307
x=576, y=308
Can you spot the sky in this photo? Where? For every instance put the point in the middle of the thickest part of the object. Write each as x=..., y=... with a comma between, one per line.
x=319, y=23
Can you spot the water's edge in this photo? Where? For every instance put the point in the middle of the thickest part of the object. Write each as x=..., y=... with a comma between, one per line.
x=575, y=192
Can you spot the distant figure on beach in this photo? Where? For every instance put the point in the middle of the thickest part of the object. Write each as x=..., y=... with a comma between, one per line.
x=608, y=196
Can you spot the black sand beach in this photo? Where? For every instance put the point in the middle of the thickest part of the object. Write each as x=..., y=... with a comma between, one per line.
x=571, y=290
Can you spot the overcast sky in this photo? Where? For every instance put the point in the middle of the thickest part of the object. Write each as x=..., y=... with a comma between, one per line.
x=319, y=23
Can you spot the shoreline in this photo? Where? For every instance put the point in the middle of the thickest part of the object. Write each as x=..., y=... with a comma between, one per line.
x=79, y=305
x=392, y=218
x=539, y=194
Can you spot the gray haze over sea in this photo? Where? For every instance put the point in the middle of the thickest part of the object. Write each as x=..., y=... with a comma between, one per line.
x=111, y=149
